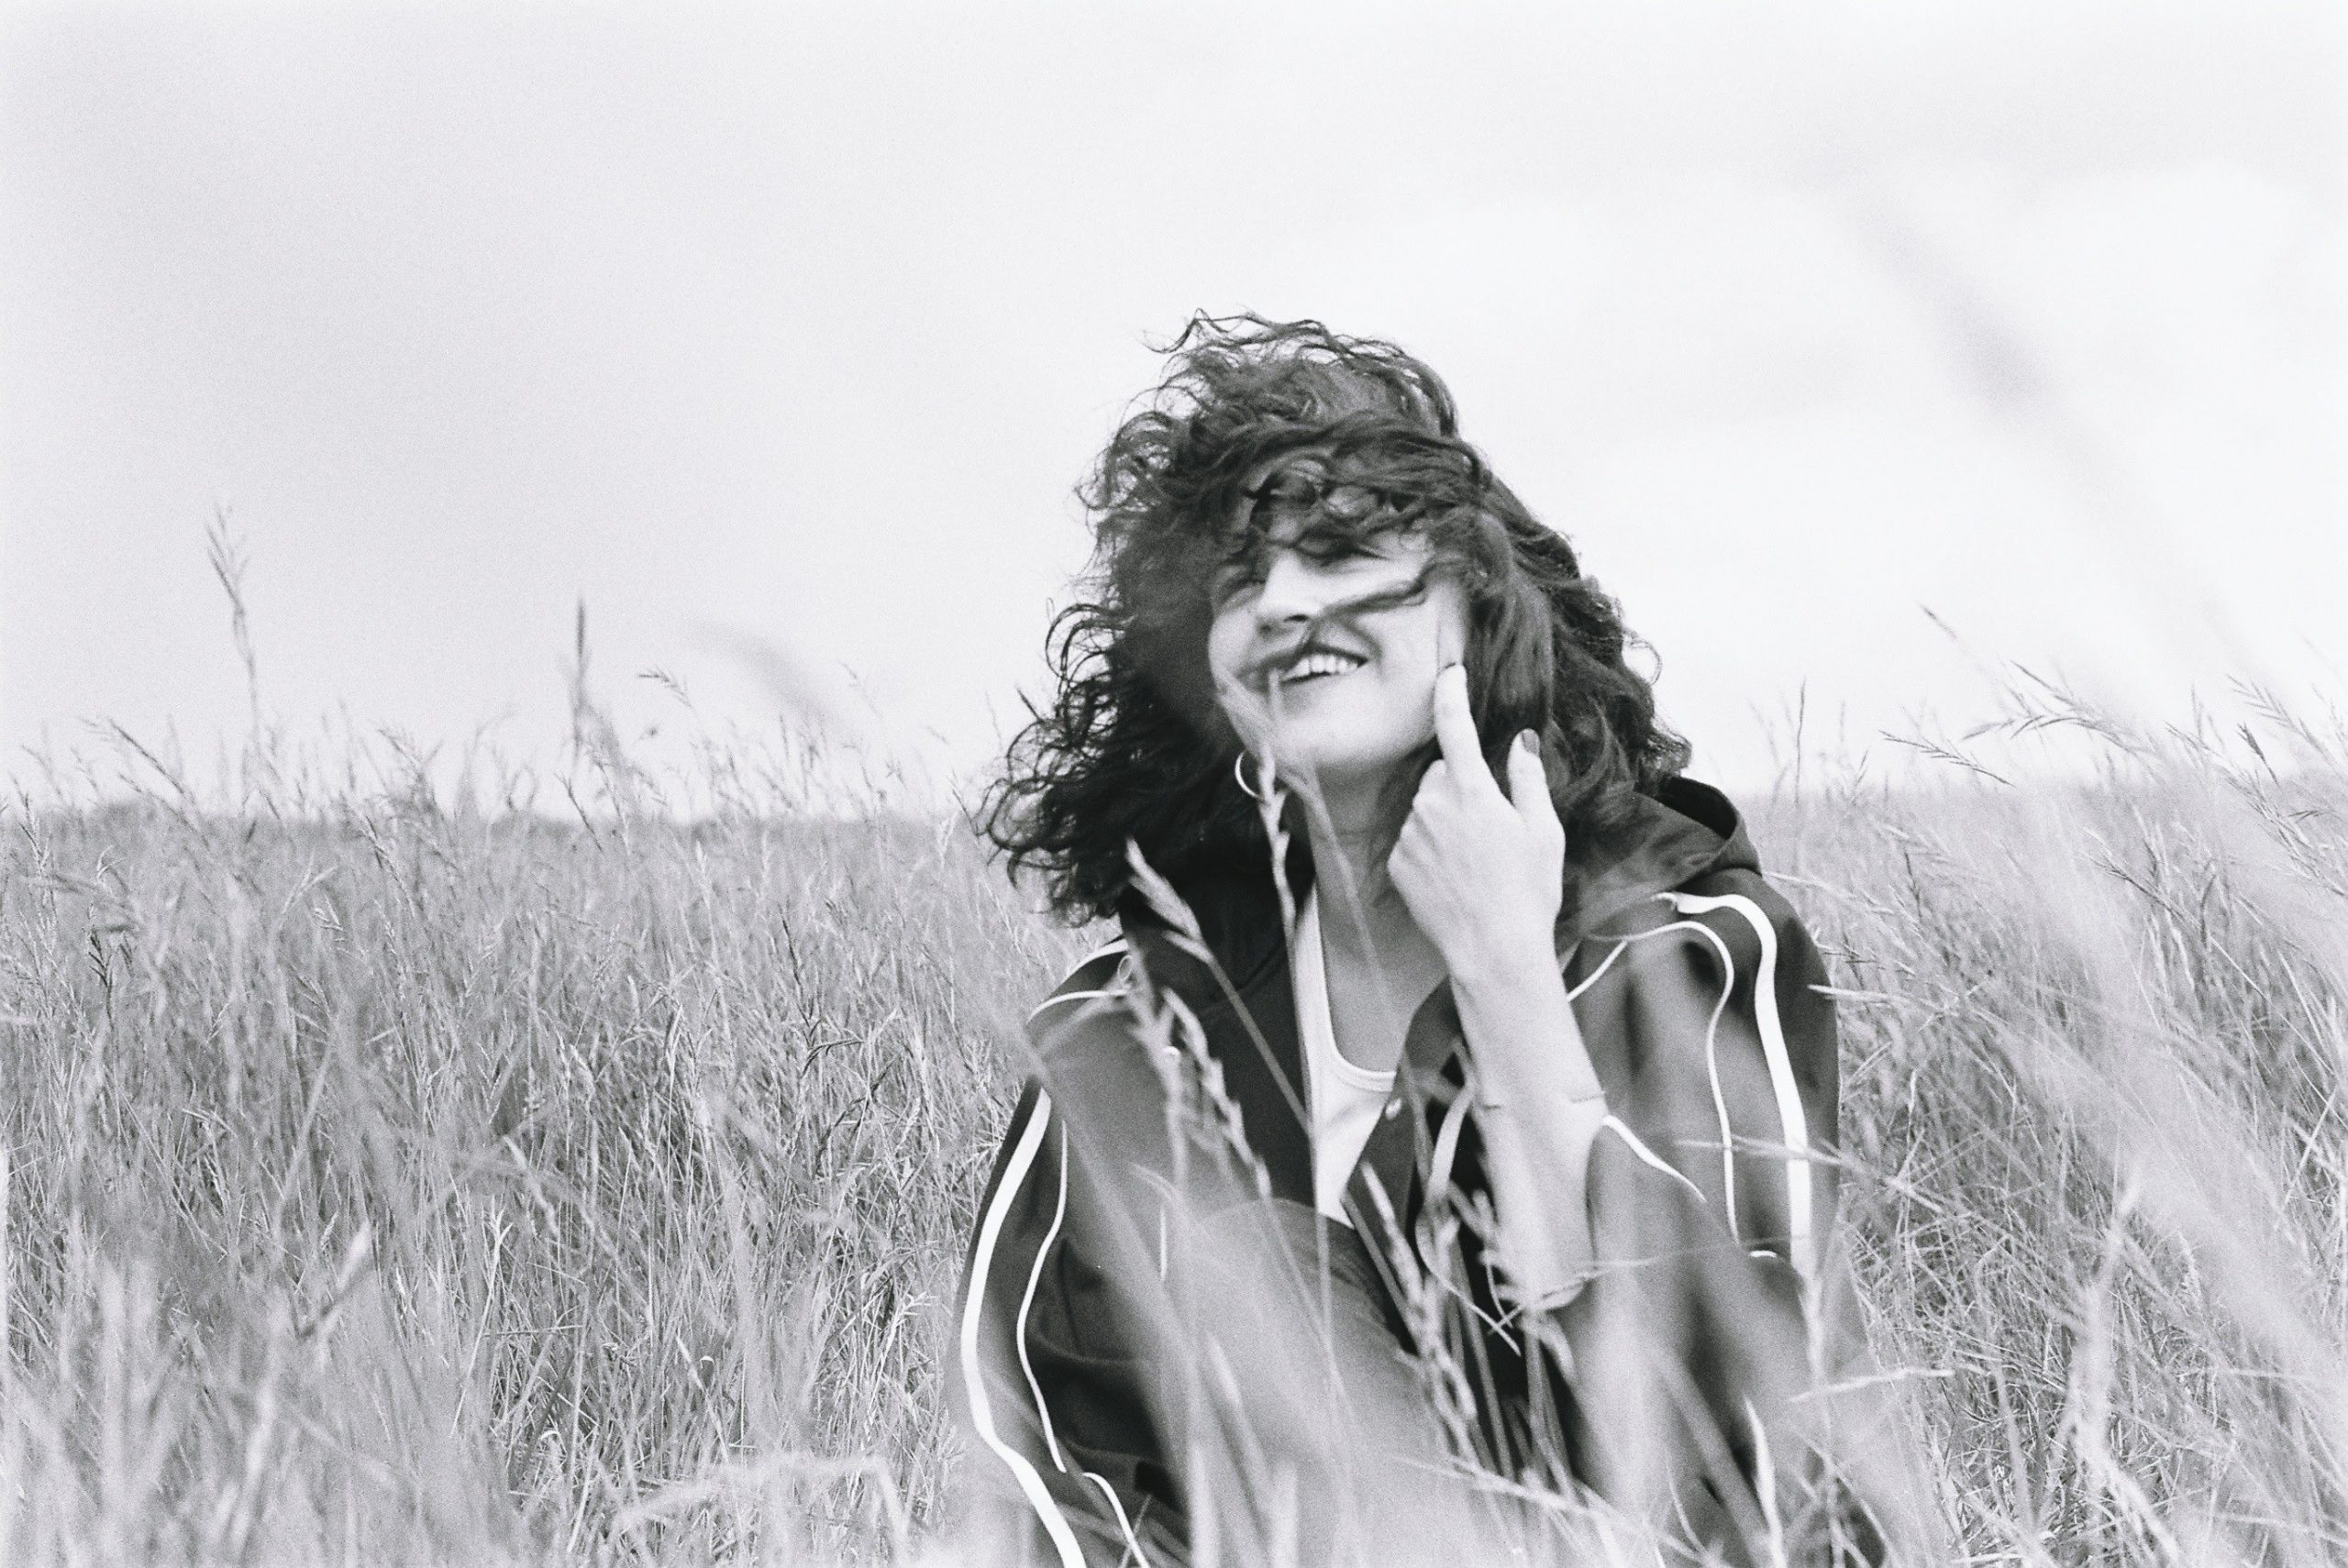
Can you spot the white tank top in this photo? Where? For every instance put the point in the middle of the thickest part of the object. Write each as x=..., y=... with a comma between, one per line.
x=1345, y=1099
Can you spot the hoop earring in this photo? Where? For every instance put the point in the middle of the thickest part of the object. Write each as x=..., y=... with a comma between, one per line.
x=1240, y=771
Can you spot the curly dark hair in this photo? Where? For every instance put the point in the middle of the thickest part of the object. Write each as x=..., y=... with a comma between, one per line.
x=1361, y=439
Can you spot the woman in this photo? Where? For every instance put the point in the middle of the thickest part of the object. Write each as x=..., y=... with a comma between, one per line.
x=1452, y=1102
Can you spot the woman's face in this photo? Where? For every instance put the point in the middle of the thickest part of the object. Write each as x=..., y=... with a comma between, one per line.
x=1356, y=698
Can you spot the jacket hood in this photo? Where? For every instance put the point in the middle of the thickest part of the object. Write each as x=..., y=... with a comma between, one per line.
x=1684, y=831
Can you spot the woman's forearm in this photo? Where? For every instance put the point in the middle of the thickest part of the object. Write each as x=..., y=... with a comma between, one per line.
x=1540, y=1106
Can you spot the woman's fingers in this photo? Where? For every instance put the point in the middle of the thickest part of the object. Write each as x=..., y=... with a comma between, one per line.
x=1455, y=728
x=1528, y=785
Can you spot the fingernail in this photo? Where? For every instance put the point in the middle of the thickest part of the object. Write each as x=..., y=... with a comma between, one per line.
x=1528, y=743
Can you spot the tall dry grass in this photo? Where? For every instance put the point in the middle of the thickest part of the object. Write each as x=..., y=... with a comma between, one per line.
x=399, y=1184
x=391, y=1179
x=2095, y=1056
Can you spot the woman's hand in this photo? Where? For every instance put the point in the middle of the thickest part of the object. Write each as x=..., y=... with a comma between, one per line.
x=1482, y=872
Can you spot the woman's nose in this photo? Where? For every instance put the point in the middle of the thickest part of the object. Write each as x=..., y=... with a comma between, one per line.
x=1292, y=591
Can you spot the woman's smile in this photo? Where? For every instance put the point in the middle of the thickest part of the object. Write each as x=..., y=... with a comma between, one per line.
x=1322, y=667
x=1317, y=662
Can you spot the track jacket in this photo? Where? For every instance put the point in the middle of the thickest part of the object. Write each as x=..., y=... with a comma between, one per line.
x=1696, y=989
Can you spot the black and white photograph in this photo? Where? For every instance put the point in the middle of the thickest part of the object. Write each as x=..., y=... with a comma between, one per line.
x=1125, y=784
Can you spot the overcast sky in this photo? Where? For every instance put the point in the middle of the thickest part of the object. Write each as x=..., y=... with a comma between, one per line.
x=781, y=341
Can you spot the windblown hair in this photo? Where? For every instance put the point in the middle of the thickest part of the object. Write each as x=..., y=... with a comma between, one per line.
x=1135, y=745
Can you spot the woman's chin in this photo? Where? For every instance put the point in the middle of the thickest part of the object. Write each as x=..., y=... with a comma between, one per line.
x=1337, y=770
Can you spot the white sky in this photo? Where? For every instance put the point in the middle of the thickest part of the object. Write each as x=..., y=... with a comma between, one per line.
x=796, y=332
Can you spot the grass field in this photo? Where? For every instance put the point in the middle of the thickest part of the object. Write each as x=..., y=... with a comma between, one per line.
x=391, y=1181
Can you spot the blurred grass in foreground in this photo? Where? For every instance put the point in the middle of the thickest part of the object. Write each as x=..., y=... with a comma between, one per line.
x=388, y=1181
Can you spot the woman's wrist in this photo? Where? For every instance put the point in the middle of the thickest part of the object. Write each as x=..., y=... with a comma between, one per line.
x=1501, y=967
x=1527, y=1044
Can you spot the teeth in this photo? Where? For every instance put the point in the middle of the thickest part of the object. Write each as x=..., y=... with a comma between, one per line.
x=1323, y=664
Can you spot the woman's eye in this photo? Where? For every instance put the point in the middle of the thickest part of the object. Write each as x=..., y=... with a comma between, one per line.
x=1233, y=580
x=1338, y=549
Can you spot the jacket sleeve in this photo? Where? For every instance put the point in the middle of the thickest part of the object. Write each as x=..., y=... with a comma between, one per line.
x=1711, y=1196
x=1727, y=1060
x=1046, y=1378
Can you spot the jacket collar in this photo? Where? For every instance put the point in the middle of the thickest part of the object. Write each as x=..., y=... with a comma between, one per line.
x=1658, y=843
x=1661, y=841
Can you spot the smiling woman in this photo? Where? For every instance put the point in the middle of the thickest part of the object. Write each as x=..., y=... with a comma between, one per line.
x=1447, y=1121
